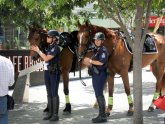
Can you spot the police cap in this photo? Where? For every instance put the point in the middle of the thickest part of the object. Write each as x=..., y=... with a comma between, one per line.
x=99, y=36
x=53, y=33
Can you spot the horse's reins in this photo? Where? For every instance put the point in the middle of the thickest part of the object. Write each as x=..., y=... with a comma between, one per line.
x=82, y=54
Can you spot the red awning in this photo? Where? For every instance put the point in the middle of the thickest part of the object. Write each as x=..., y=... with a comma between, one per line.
x=153, y=20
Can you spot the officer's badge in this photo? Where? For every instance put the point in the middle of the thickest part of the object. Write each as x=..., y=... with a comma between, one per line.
x=52, y=50
x=103, y=55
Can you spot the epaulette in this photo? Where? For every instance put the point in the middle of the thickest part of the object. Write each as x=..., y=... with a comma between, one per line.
x=104, y=48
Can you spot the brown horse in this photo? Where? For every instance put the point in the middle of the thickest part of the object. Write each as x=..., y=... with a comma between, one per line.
x=67, y=57
x=120, y=60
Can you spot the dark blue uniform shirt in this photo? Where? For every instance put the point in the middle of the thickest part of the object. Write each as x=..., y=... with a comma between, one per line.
x=53, y=50
x=102, y=56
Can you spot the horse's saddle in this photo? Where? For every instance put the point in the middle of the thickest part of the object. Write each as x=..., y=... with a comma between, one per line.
x=66, y=40
x=149, y=46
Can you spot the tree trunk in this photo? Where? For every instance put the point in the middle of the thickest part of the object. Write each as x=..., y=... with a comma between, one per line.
x=137, y=68
x=137, y=84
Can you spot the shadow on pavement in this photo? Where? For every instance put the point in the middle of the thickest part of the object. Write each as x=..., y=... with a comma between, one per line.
x=81, y=114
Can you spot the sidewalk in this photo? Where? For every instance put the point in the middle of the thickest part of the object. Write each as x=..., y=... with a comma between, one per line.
x=82, y=99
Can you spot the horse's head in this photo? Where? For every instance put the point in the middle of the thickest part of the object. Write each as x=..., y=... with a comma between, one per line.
x=86, y=34
x=85, y=39
x=37, y=36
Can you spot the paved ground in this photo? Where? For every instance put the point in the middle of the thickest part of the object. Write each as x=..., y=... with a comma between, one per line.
x=82, y=99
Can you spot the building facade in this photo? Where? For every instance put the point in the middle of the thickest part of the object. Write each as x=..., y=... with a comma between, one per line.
x=12, y=37
x=152, y=24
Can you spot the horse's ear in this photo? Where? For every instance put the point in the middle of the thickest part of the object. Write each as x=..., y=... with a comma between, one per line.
x=45, y=30
x=78, y=23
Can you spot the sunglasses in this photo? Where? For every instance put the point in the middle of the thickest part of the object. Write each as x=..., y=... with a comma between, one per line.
x=49, y=37
x=98, y=40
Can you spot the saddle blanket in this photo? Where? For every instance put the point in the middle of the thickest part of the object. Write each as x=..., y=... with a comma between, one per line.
x=149, y=46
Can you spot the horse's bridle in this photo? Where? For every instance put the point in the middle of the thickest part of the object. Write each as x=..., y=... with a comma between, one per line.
x=88, y=48
x=81, y=55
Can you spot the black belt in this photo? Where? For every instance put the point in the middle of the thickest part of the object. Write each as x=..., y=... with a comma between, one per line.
x=3, y=96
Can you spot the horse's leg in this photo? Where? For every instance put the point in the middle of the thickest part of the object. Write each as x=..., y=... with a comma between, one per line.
x=163, y=85
x=65, y=76
x=125, y=79
x=110, y=80
x=158, y=71
x=66, y=59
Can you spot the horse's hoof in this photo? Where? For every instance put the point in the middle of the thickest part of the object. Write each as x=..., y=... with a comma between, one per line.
x=130, y=113
x=108, y=114
x=96, y=105
x=150, y=109
x=108, y=111
x=46, y=109
x=66, y=113
x=156, y=108
x=67, y=109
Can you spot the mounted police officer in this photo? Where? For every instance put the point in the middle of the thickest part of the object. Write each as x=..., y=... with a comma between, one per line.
x=98, y=64
x=51, y=73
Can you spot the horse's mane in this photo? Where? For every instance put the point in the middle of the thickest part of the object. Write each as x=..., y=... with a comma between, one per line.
x=94, y=29
x=74, y=36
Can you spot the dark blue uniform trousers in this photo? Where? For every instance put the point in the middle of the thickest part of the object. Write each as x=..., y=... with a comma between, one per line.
x=99, y=81
x=52, y=83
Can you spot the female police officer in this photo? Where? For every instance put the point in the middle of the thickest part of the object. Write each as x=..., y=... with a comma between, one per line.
x=51, y=73
x=99, y=74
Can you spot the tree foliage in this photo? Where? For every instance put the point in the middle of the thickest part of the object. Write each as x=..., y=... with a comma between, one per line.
x=25, y=12
x=44, y=13
x=58, y=13
x=158, y=7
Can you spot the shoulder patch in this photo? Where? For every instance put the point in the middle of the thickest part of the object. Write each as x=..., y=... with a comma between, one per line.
x=103, y=55
x=52, y=50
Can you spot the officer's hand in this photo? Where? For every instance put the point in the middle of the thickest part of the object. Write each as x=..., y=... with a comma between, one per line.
x=34, y=48
x=86, y=61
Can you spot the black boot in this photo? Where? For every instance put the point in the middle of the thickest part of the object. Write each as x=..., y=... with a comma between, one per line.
x=55, y=109
x=102, y=115
x=49, y=113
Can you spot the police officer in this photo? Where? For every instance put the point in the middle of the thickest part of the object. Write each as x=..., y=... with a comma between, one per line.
x=98, y=63
x=51, y=73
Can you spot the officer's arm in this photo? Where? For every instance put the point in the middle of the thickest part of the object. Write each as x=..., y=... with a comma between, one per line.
x=95, y=62
x=45, y=57
x=102, y=59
